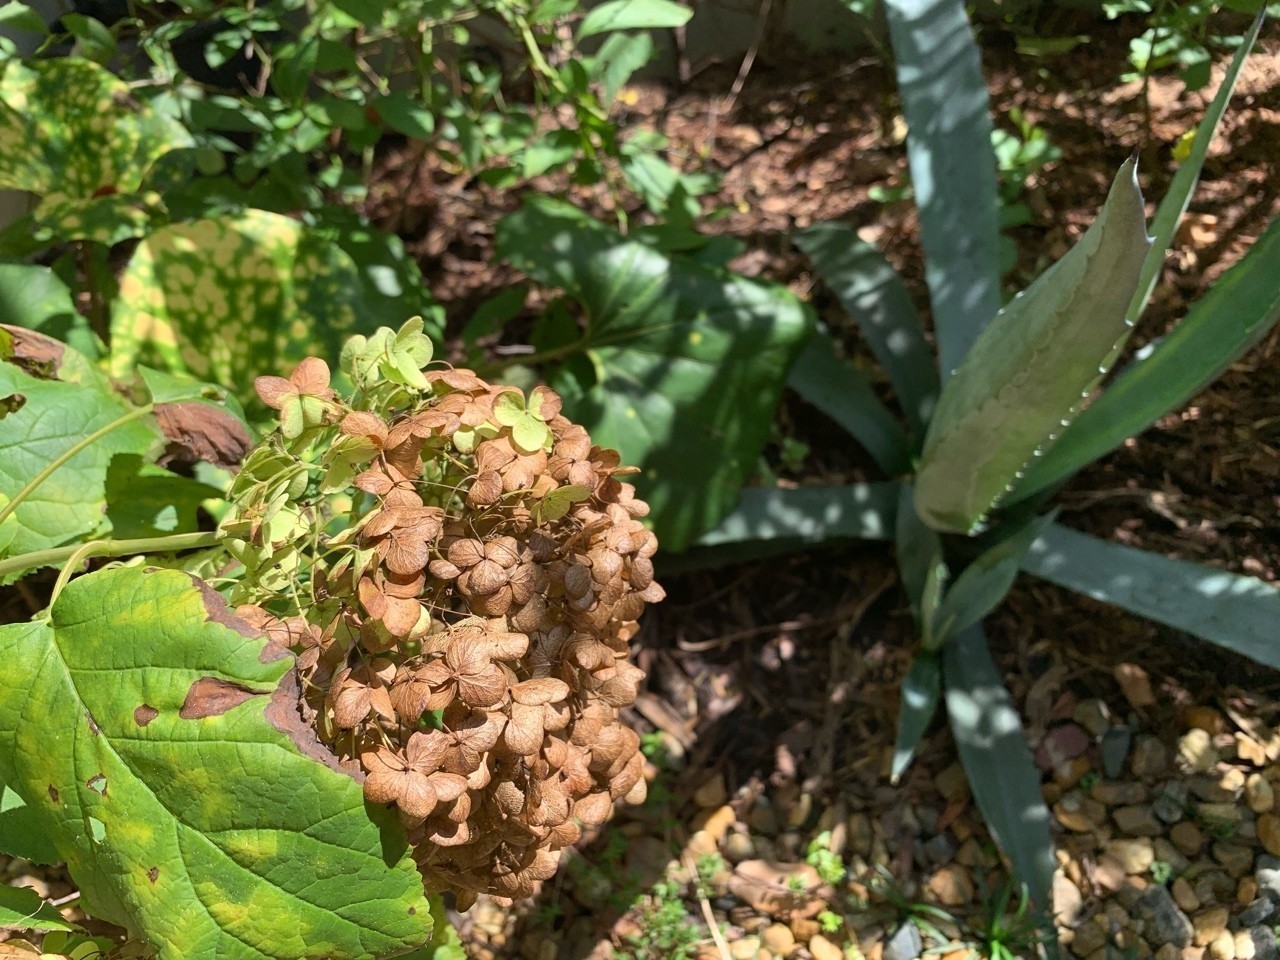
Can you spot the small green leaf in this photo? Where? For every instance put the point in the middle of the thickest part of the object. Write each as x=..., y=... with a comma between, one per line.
x=1235, y=612
x=921, y=689
x=21, y=908
x=953, y=171
x=843, y=392
x=633, y=15
x=556, y=503
x=993, y=750
x=621, y=55
x=530, y=433
x=1025, y=377
x=874, y=296
x=508, y=408
x=190, y=803
x=986, y=581
x=20, y=16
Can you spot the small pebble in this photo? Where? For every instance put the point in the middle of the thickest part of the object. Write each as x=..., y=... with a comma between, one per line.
x=1187, y=837
x=712, y=793
x=1135, y=855
x=1269, y=833
x=738, y=847
x=1137, y=821
x=1195, y=751
x=1250, y=750
x=1089, y=938
x=1244, y=945
x=1259, y=794
x=1235, y=859
x=904, y=945
x=1149, y=757
x=779, y=939
x=1208, y=924
x=748, y=948
x=1223, y=946
x=824, y=949
x=1184, y=896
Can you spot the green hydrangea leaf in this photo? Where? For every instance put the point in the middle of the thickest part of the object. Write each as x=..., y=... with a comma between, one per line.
x=51, y=417
x=70, y=130
x=227, y=299
x=176, y=779
x=21, y=908
x=680, y=366
x=20, y=835
x=530, y=433
x=508, y=408
x=36, y=298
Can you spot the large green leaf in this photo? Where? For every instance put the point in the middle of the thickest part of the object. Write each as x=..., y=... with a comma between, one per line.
x=73, y=133
x=177, y=780
x=995, y=756
x=873, y=294
x=843, y=392
x=1235, y=612
x=953, y=169
x=46, y=419
x=228, y=299
x=1237, y=312
x=680, y=365
x=1026, y=375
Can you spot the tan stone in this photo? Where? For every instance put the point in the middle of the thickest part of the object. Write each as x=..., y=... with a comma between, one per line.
x=1195, y=751
x=951, y=885
x=748, y=948
x=1269, y=833
x=1259, y=794
x=712, y=793
x=1169, y=952
x=1223, y=946
x=1079, y=813
x=778, y=938
x=1184, y=896
x=1089, y=938
x=1208, y=924
x=1136, y=855
x=824, y=949
x=1245, y=947
x=1187, y=837
x=1246, y=890
x=1109, y=873
x=1250, y=751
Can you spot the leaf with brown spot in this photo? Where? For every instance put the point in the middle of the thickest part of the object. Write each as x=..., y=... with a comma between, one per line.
x=212, y=697
x=199, y=431
x=236, y=800
x=144, y=715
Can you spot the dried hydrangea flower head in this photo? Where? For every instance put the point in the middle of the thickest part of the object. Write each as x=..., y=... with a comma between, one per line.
x=476, y=568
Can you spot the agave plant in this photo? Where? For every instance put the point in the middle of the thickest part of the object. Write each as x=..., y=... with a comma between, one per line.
x=1007, y=412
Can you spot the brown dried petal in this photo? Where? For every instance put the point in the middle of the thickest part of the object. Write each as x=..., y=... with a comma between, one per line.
x=418, y=798
x=486, y=489
x=273, y=390
x=311, y=377
x=465, y=553
x=486, y=577
x=535, y=693
x=523, y=733
x=361, y=423
x=593, y=809
x=373, y=481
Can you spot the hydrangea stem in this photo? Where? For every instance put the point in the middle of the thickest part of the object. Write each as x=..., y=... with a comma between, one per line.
x=108, y=548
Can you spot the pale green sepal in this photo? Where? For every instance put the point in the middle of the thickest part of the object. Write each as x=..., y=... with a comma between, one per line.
x=1028, y=372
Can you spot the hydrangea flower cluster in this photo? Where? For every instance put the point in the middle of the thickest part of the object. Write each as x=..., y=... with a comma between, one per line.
x=476, y=568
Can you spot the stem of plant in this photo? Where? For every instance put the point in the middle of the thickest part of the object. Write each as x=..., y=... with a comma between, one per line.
x=106, y=548
x=66, y=455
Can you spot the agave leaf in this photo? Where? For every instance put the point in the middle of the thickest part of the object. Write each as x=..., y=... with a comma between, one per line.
x=873, y=294
x=953, y=170
x=918, y=548
x=1174, y=205
x=1237, y=312
x=995, y=756
x=859, y=511
x=921, y=689
x=842, y=391
x=1235, y=612
x=984, y=583
x=1026, y=375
